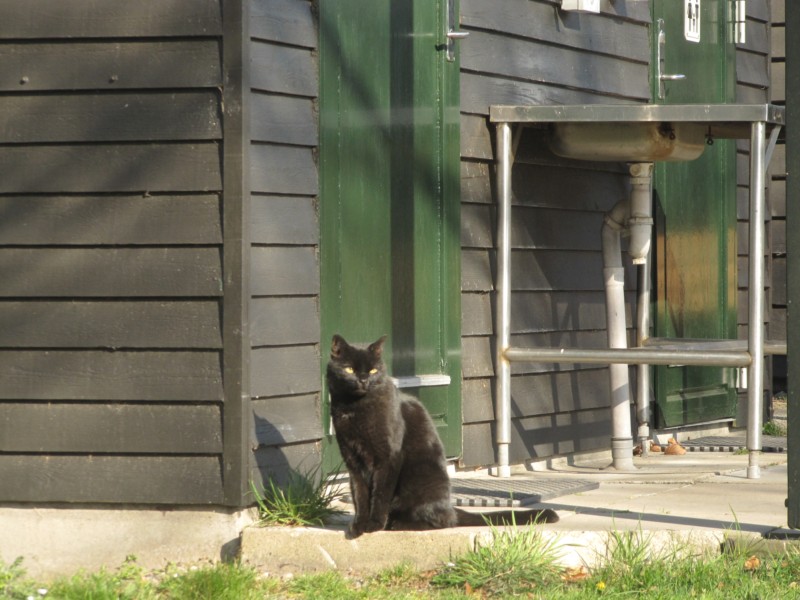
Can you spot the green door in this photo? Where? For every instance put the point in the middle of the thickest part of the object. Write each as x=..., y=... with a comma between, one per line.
x=389, y=199
x=695, y=249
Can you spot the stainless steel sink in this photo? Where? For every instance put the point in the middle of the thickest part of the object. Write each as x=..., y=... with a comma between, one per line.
x=638, y=132
x=641, y=142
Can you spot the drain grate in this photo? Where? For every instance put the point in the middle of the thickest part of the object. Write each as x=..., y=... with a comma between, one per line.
x=733, y=443
x=486, y=492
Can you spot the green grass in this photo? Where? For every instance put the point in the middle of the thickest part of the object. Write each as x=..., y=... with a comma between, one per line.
x=304, y=499
x=506, y=566
x=515, y=560
x=773, y=428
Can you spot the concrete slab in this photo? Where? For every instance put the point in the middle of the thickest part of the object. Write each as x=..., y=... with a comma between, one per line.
x=689, y=503
x=64, y=539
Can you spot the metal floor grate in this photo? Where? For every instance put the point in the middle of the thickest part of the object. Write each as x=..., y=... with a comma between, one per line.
x=733, y=443
x=496, y=493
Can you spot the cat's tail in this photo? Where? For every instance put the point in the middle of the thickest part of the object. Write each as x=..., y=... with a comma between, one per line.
x=505, y=517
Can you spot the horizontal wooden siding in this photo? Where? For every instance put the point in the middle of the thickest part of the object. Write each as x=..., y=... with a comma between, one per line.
x=530, y=52
x=110, y=251
x=284, y=308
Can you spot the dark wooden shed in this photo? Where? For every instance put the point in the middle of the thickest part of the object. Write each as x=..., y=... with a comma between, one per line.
x=162, y=328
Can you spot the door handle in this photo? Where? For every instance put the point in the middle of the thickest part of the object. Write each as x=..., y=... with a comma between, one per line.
x=451, y=33
x=660, y=75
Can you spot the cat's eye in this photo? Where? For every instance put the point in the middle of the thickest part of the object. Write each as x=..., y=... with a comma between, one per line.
x=348, y=370
x=373, y=371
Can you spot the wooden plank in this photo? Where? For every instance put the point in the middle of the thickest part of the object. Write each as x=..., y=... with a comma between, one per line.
x=110, y=168
x=283, y=119
x=752, y=69
x=778, y=82
x=540, y=437
x=277, y=462
x=110, y=65
x=540, y=394
x=237, y=414
x=284, y=321
x=534, y=312
x=758, y=37
x=533, y=228
x=558, y=186
x=477, y=400
x=779, y=269
x=117, y=479
x=564, y=433
x=129, y=220
x=554, y=270
x=115, y=117
x=777, y=323
x=528, y=60
x=477, y=317
x=539, y=270
x=758, y=9
x=284, y=220
x=26, y=19
x=746, y=94
x=476, y=271
x=108, y=376
x=283, y=170
x=536, y=20
x=476, y=140
x=778, y=11
x=117, y=325
x=777, y=198
x=110, y=272
x=283, y=69
x=475, y=183
x=110, y=429
x=777, y=42
x=479, y=92
x=287, y=21
x=285, y=371
x=777, y=231
x=284, y=271
x=280, y=421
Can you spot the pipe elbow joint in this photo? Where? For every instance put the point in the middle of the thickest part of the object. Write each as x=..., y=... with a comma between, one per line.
x=639, y=244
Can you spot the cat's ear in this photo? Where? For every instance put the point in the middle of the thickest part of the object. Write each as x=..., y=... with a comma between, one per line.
x=377, y=347
x=338, y=344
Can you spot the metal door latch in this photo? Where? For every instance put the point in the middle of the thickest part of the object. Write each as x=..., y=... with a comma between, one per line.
x=451, y=33
x=660, y=75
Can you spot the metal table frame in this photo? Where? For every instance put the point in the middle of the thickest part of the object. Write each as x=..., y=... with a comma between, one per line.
x=761, y=123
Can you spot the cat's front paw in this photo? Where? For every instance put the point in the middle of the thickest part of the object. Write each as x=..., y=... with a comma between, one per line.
x=371, y=526
x=357, y=528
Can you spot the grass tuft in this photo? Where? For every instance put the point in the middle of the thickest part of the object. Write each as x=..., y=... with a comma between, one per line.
x=13, y=583
x=514, y=561
x=774, y=428
x=304, y=499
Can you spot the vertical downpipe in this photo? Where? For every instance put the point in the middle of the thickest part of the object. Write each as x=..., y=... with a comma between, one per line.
x=614, y=277
x=503, y=291
x=643, y=371
x=755, y=383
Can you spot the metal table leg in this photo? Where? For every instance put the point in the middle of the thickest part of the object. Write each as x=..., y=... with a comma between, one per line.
x=755, y=379
x=503, y=291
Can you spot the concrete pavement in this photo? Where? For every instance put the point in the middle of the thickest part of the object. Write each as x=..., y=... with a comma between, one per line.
x=690, y=503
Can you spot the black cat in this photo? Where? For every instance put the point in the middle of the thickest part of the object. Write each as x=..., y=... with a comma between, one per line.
x=396, y=461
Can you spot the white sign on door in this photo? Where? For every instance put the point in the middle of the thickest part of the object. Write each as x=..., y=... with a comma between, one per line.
x=691, y=21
